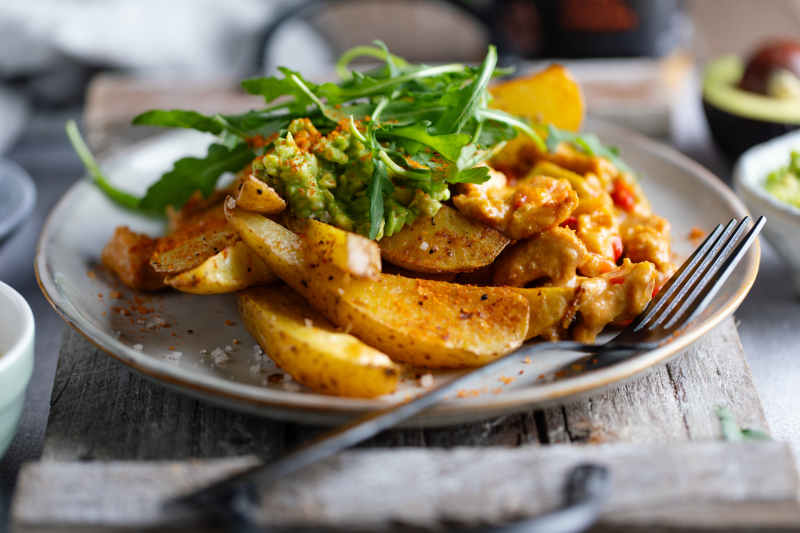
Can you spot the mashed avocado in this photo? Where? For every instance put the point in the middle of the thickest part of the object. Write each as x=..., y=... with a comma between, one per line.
x=784, y=183
x=326, y=177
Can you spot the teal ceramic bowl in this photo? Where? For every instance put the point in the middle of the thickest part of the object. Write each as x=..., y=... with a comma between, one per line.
x=16, y=360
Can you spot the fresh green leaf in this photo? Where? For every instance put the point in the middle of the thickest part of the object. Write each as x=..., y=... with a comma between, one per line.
x=369, y=51
x=414, y=138
x=471, y=175
x=515, y=122
x=191, y=174
x=463, y=102
x=379, y=185
x=178, y=118
x=99, y=178
x=273, y=88
x=465, y=157
x=731, y=431
x=589, y=143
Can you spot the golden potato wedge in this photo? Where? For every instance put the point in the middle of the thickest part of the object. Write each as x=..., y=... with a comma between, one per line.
x=255, y=195
x=420, y=322
x=348, y=251
x=550, y=307
x=196, y=240
x=310, y=349
x=550, y=96
x=233, y=269
x=446, y=242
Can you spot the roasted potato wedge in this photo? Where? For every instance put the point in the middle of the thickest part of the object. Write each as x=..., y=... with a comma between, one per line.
x=446, y=242
x=549, y=96
x=127, y=254
x=310, y=349
x=233, y=269
x=348, y=251
x=196, y=240
x=255, y=195
x=550, y=307
x=420, y=322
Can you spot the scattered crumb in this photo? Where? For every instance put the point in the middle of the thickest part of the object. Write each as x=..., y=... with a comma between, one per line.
x=521, y=372
x=464, y=393
x=696, y=234
x=498, y=390
x=291, y=386
x=91, y=274
x=234, y=341
x=230, y=323
x=527, y=360
x=506, y=380
x=115, y=294
x=171, y=347
x=138, y=347
x=275, y=378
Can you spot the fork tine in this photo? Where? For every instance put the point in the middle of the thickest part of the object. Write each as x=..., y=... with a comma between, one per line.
x=701, y=278
x=686, y=270
x=703, y=294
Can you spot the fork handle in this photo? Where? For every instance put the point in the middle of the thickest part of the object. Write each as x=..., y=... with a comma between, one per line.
x=218, y=496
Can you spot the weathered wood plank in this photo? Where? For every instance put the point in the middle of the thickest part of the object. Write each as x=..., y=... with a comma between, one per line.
x=429, y=488
x=674, y=403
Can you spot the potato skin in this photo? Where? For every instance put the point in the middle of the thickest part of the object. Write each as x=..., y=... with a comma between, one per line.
x=255, y=195
x=347, y=250
x=420, y=322
x=455, y=243
x=127, y=254
x=550, y=308
x=314, y=353
x=233, y=269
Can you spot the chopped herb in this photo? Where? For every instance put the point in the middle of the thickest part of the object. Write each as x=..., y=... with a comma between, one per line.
x=731, y=431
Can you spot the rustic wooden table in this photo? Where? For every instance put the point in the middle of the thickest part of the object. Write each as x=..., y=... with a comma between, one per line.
x=659, y=435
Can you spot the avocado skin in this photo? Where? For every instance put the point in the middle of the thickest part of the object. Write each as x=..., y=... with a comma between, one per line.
x=734, y=134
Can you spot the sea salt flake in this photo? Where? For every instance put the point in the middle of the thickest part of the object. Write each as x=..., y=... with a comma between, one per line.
x=203, y=351
x=219, y=356
x=426, y=381
x=138, y=347
x=424, y=246
x=291, y=387
x=117, y=334
x=255, y=369
x=231, y=203
x=228, y=348
x=158, y=320
x=287, y=378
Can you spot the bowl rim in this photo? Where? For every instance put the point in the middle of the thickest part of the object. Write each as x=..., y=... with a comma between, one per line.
x=23, y=209
x=19, y=348
x=744, y=181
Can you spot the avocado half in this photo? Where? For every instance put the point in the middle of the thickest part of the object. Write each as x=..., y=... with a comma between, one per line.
x=740, y=119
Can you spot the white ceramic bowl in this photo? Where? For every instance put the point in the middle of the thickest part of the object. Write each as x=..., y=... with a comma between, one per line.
x=782, y=229
x=16, y=360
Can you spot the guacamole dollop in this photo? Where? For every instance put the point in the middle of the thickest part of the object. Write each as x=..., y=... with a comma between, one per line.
x=325, y=177
x=784, y=183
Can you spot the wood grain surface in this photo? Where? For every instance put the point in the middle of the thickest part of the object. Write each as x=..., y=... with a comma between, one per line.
x=714, y=485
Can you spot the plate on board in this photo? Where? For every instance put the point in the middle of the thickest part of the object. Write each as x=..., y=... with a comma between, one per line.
x=168, y=337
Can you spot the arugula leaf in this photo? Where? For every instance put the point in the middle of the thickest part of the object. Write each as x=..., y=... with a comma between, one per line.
x=273, y=88
x=589, y=143
x=178, y=118
x=191, y=174
x=731, y=431
x=413, y=138
x=463, y=103
x=99, y=178
x=378, y=185
x=471, y=175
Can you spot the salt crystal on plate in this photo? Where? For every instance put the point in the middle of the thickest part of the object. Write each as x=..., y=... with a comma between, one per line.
x=138, y=347
x=116, y=336
x=426, y=381
x=231, y=203
x=255, y=369
x=228, y=348
x=424, y=246
x=219, y=356
x=158, y=320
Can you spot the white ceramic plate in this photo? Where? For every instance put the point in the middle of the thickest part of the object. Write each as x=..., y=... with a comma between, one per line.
x=166, y=323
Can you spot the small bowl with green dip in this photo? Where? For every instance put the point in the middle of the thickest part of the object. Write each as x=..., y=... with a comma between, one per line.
x=767, y=177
